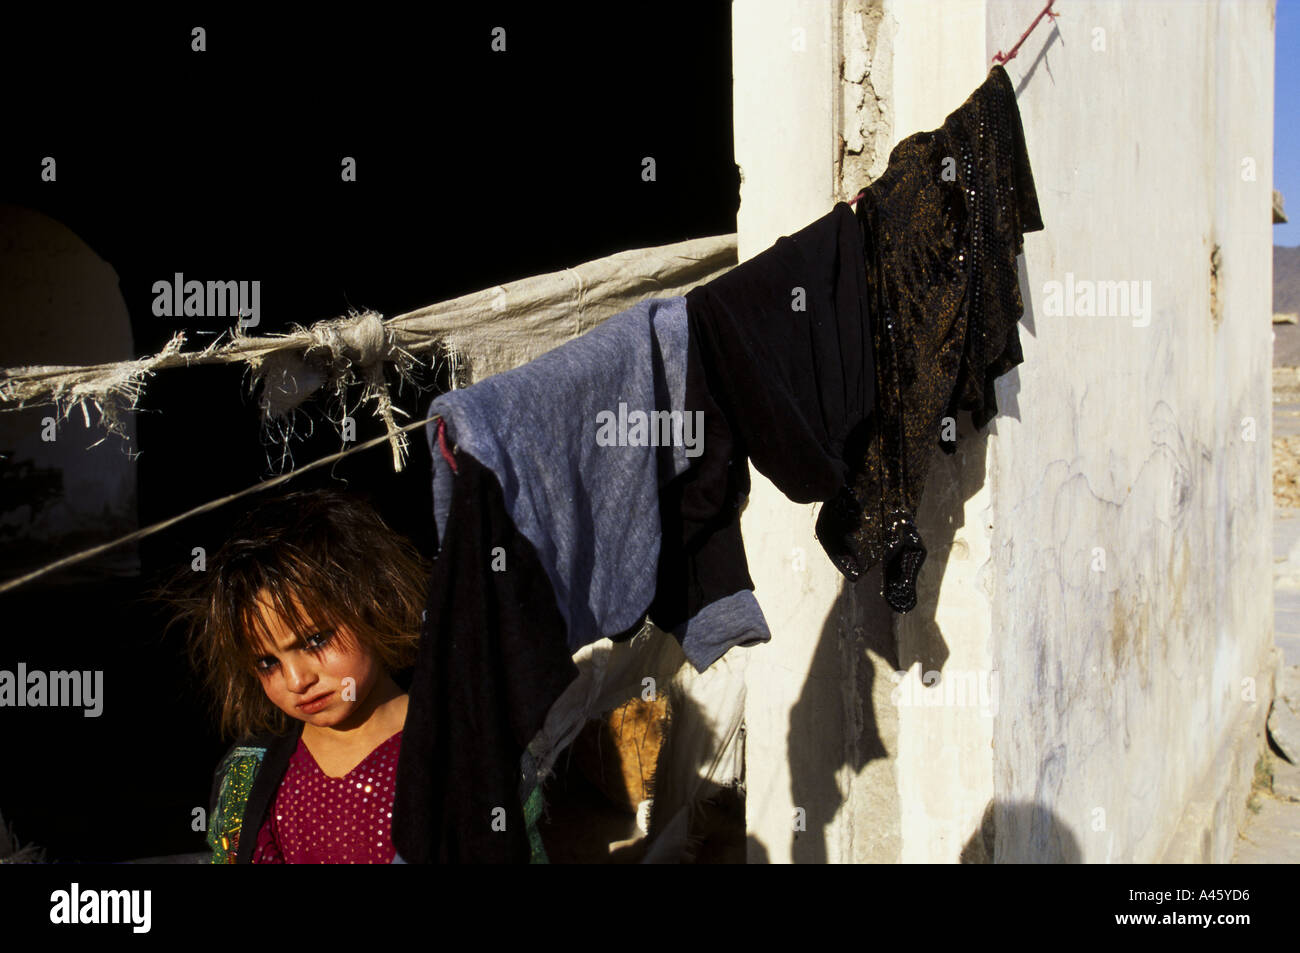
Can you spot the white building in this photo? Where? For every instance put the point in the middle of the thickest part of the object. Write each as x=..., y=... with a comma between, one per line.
x=1099, y=579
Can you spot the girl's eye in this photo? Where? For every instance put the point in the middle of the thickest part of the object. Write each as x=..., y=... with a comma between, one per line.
x=314, y=643
x=319, y=640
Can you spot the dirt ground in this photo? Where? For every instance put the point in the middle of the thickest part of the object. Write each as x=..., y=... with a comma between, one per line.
x=1286, y=415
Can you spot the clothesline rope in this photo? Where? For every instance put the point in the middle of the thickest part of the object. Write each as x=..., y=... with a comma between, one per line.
x=1002, y=58
x=202, y=508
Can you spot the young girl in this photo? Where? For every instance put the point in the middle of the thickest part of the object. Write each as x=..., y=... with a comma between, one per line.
x=298, y=627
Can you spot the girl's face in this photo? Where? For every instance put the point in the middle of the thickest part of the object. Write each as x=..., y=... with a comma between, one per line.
x=322, y=677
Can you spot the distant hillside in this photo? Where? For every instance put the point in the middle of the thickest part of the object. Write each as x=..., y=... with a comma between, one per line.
x=1286, y=279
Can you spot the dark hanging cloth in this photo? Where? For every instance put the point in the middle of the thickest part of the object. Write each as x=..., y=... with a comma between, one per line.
x=704, y=591
x=942, y=228
x=481, y=688
x=785, y=343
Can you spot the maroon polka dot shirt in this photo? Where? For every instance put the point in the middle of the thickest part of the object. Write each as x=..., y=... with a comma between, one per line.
x=317, y=819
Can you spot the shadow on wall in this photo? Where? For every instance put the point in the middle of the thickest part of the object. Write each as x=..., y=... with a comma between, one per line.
x=1034, y=823
x=1053, y=37
x=841, y=658
x=861, y=622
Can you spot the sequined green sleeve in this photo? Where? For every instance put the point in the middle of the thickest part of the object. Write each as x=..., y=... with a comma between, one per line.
x=532, y=814
x=238, y=771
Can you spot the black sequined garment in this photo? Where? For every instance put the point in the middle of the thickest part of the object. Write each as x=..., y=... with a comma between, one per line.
x=941, y=230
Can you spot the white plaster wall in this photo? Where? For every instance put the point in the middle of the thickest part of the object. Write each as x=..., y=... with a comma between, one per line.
x=812, y=739
x=947, y=705
x=1098, y=589
x=1118, y=686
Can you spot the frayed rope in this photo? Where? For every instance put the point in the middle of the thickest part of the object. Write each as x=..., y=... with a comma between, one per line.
x=476, y=335
x=337, y=353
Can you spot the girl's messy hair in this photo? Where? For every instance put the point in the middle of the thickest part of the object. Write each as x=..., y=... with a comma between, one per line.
x=326, y=551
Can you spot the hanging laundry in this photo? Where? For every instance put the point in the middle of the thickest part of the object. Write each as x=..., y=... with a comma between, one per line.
x=706, y=742
x=603, y=481
x=785, y=351
x=582, y=440
x=835, y=353
x=942, y=228
x=550, y=525
x=704, y=594
x=492, y=661
x=785, y=343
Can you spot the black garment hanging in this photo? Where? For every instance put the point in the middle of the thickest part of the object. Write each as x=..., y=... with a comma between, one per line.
x=942, y=228
x=785, y=344
x=835, y=353
x=701, y=552
x=492, y=661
